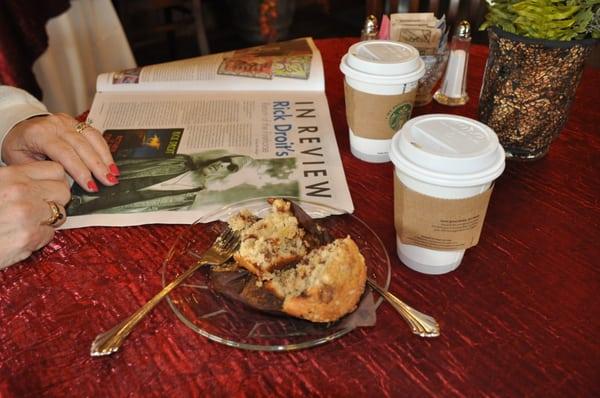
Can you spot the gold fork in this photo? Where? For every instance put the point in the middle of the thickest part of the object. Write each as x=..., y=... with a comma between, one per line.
x=221, y=250
x=421, y=324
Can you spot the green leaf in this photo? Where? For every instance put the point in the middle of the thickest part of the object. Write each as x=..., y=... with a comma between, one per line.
x=546, y=19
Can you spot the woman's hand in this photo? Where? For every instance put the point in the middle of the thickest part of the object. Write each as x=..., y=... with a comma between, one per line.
x=54, y=136
x=25, y=191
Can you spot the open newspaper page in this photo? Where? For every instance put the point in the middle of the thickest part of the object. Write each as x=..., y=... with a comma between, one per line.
x=293, y=65
x=183, y=155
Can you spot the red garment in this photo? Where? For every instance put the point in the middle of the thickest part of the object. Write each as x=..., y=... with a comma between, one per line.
x=23, y=39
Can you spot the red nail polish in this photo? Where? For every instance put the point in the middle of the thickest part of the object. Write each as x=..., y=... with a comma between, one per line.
x=111, y=178
x=114, y=169
x=92, y=186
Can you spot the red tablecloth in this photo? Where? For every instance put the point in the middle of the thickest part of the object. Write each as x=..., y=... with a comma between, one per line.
x=519, y=317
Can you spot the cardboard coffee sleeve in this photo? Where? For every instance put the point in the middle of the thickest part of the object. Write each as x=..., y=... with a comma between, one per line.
x=436, y=223
x=376, y=116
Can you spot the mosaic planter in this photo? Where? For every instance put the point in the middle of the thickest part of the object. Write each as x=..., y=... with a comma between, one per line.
x=528, y=88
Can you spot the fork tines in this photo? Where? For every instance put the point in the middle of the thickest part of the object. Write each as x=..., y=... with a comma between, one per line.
x=228, y=239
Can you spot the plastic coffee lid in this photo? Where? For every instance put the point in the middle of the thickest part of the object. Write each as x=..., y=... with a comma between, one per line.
x=447, y=150
x=383, y=57
x=383, y=61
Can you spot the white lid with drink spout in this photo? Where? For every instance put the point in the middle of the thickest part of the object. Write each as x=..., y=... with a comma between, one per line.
x=383, y=61
x=448, y=150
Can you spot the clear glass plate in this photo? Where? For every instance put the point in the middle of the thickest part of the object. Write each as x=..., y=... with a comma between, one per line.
x=231, y=323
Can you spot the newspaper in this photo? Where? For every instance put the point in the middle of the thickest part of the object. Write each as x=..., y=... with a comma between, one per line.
x=195, y=135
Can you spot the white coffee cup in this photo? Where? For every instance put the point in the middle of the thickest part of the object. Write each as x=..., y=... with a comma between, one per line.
x=439, y=157
x=381, y=79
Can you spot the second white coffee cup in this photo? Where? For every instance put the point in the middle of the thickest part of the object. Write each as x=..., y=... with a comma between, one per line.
x=380, y=86
x=444, y=168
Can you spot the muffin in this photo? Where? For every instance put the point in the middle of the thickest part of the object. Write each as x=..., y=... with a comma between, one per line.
x=309, y=275
x=326, y=285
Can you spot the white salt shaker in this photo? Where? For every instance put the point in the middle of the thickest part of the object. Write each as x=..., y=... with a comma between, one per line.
x=453, y=90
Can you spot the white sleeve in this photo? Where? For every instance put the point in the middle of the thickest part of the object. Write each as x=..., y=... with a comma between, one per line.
x=16, y=105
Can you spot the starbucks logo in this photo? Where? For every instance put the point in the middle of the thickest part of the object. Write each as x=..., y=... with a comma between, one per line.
x=399, y=115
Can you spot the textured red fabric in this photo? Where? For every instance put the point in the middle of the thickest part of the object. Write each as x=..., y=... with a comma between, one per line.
x=23, y=39
x=518, y=317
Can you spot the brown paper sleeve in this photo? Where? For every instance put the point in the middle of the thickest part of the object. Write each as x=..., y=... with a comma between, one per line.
x=377, y=117
x=436, y=223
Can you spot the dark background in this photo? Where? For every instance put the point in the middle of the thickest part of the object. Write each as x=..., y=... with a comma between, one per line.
x=164, y=30
x=160, y=30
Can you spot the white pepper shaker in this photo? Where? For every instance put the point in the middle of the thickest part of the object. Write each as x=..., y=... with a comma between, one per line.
x=453, y=90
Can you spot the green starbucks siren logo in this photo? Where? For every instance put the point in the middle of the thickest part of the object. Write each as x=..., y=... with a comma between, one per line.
x=399, y=115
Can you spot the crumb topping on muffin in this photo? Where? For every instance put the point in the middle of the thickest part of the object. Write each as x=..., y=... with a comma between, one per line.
x=272, y=242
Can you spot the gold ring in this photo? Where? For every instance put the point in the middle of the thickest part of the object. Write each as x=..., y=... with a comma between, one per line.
x=56, y=214
x=81, y=126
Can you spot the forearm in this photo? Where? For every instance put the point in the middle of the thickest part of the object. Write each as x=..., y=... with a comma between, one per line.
x=16, y=105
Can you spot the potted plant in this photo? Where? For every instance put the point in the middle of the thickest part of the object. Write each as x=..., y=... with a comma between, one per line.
x=537, y=53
